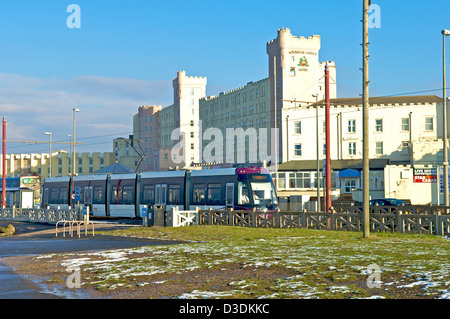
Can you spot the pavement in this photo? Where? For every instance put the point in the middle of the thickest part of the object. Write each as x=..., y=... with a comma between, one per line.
x=36, y=239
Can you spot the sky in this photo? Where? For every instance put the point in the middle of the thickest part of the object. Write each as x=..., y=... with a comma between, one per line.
x=126, y=53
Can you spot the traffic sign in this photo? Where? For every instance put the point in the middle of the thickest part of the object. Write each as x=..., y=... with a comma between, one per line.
x=77, y=194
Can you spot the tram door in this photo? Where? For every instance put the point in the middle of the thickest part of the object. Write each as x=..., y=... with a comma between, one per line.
x=229, y=189
x=160, y=194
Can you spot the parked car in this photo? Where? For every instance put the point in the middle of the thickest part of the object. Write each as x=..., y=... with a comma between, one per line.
x=386, y=202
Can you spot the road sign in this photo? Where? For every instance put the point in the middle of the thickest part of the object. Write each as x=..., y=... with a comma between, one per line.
x=77, y=194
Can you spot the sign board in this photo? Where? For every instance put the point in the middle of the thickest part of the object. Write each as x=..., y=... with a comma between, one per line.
x=143, y=211
x=425, y=175
x=77, y=194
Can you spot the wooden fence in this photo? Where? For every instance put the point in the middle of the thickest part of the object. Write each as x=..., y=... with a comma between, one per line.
x=391, y=219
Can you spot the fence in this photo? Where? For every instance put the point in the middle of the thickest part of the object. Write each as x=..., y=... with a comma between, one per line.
x=177, y=218
x=50, y=216
x=392, y=219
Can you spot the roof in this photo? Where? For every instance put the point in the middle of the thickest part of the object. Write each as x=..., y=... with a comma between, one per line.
x=311, y=165
x=386, y=100
x=115, y=168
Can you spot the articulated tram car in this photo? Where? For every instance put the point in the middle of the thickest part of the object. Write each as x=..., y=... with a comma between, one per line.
x=122, y=195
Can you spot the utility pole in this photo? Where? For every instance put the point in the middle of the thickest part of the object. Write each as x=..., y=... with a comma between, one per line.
x=4, y=164
x=317, y=153
x=445, y=126
x=328, y=141
x=275, y=115
x=365, y=44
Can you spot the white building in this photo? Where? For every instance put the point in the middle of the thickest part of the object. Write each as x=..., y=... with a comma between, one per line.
x=405, y=136
x=299, y=78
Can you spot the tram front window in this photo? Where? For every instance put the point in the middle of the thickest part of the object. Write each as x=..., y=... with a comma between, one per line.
x=243, y=194
x=263, y=193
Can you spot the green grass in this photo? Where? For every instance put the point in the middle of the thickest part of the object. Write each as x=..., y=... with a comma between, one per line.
x=296, y=263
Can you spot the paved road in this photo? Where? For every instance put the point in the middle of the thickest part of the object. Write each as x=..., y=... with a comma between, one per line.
x=35, y=239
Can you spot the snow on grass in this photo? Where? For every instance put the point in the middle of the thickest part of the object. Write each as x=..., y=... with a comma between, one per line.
x=326, y=266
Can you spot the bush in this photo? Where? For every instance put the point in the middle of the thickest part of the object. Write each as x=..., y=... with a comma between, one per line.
x=7, y=231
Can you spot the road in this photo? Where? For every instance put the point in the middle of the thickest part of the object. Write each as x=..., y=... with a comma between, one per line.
x=36, y=239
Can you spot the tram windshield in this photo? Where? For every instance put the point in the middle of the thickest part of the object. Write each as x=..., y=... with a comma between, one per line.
x=257, y=193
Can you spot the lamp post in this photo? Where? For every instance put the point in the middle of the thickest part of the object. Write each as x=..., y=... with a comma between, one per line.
x=445, y=133
x=70, y=150
x=49, y=153
x=75, y=110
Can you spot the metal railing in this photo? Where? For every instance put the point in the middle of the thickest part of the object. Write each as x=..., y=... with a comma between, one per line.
x=73, y=218
x=50, y=216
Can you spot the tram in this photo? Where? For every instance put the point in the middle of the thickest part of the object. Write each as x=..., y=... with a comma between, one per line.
x=122, y=195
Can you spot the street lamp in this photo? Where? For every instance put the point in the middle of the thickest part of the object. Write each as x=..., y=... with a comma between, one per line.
x=70, y=149
x=49, y=153
x=445, y=33
x=73, y=146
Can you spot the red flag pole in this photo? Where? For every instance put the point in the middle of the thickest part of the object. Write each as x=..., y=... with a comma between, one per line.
x=327, y=127
x=4, y=165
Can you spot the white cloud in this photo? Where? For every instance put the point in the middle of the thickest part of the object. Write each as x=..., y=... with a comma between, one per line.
x=33, y=106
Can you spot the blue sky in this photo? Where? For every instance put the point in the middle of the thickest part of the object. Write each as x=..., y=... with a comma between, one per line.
x=126, y=54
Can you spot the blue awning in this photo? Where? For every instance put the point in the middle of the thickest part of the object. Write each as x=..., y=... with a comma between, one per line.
x=349, y=173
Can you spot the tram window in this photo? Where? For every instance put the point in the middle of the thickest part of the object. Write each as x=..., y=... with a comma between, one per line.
x=99, y=196
x=127, y=195
x=148, y=195
x=63, y=195
x=214, y=194
x=198, y=194
x=174, y=194
x=123, y=195
x=45, y=197
x=230, y=194
x=54, y=196
x=117, y=195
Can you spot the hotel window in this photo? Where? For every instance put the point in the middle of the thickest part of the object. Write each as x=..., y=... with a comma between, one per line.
x=298, y=149
x=192, y=101
x=292, y=72
x=324, y=152
x=281, y=180
x=192, y=123
x=352, y=148
x=429, y=123
x=405, y=148
x=379, y=148
x=351, y=128
x=379, y=125
x=299, y=180
x=405, y=124
x=191, y=91
x=298, y=127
